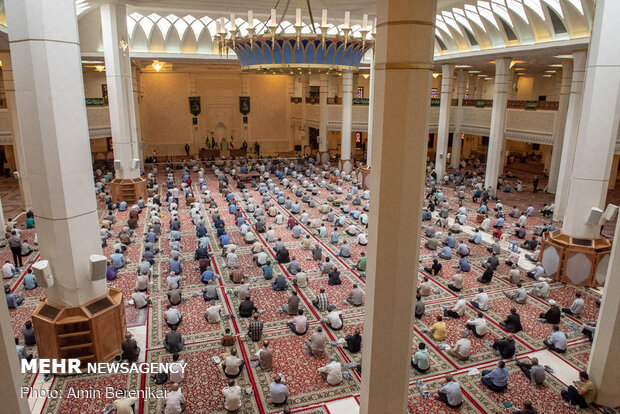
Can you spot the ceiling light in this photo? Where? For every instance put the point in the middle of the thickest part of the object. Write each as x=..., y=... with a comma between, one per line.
x=366, y=76
x=436, y=75
x=563, y=56
x=546, y=76
x=556, y=65
x=519, y=69
x=92, y=62
x=157, y=65
x=474, y=71
x=550, y=71
x=100, y=68
x=462, y=66
x=482, y=76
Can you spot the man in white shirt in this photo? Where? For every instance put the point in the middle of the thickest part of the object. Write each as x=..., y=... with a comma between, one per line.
x=334, y=320
x=139, y=299
x=332, y=372
x=213, y=313
x=481, y=300
x=458, y=310
x=175, y=400
x=260, y=258
x=231, y=259
x=176, y=370
x=270, y=235
x=478, y=326
x=557, y=340
x=8, y=270
x=232, y=396
x=462, y=349
x=173, y=317
x=362, y=239
x=457, y=282
x=576, y=307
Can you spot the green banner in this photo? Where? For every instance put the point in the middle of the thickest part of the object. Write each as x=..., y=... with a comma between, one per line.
x=361, y=101
x=94, y=101
x=480, y=104
x=435, y=102
x=531, y=105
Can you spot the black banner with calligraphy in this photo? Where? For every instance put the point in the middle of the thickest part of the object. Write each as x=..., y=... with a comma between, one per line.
x=194, y=105
x=244, y=105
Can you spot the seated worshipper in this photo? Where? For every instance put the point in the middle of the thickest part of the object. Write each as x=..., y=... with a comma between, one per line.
x=207, y=276
x=30, y=280
x=321, y=302
x=477, y=237
x=278, y=392
x=496, y=380
x=332, y=372
x=458, y=310
x=576, y=307
x=334, y=278
x=535, y=372
x=317, y=253
x=232, y=365
x=481, y=300
x=530, y=244
x=326, y=266
x=356, y=296
x=434, y=269
x=293, y=266
x=173, y=342
x=247, y=308
x=173, y=316
x=174, y=296
x=478, y=326
x=300, y=279
x=540, y=290
x=255, y=328
x=533, y=257
x=487, y=276
x=420, y=361
x=495, y=247
x=492, y=262
x=140, y=299
x=462, y=249
x=505, y=347
x=209, y=293
x=557, y=340
x=425, y=288
x=232, y=397
x=439, y=329
x=232, y=259
x=519, y=295
x=457, y=282
x=280, y=285
x=352, y=230
x=499, y=223
x=175, y=266
x=462, y=349
x=588, y=330
x=117, y=259
x=175, y=401
x=464, y=265
x=315, y=344
x=353, y=342
x=292, y=307
x=552, y=315
x=28, y=332
x=420, y=307
x=450, y=393
x=282, y=255
x=243, y=291
x=228, y=339
x=513, y=322
x=520, y=232
x=264, y=357
x=537, y=272
x=345, y=250
x=362, y=239
x=306, y=243
x=333, y=319
x=486, y=223
x=130, y=348
x=174, y=281
x=432, y=244
x=445, y=252
x=299, y=324
x=581, y=394
x=361, y=262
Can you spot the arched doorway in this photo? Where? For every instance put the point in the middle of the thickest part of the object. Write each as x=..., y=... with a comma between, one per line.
x=221, y=131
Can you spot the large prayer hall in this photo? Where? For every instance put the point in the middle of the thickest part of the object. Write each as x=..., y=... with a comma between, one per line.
x=309, y=206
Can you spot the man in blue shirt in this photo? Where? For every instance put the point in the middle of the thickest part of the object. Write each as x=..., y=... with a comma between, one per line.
x=232, y=208
x=333, y=237
x=118, y=260
x=21, y=351
x=30, y=281
x=175, y=267
x=450, y=240
x=122, y=206
x=463, y=265
x=496, y=380
x=477, y=237
x=278, y=393
x=499, y=223
x=12, y=300
x=206, y=276
x=267, y=270
x=201, y=231
x=224, y=239
x=445, y=252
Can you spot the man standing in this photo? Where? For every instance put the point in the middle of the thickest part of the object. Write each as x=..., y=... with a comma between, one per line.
x=16, y=248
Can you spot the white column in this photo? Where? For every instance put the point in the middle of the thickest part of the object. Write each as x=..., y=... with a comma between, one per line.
x=347, y=111
x=598, y=124
x=461, y=84
x=2, y=224
x=45, y=47
x=559, y=126
x=245, y=91
x=120, y=99
x=323, y=148
x=305, y=88
x=447, y=82
x=137, y=91
x=570, y=133
x=16, y=139
x=371, y=98
x=498, y=121
x=403, y=81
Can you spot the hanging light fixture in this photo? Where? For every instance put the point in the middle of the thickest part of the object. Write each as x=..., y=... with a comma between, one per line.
x=270, y=47
x=157, y=65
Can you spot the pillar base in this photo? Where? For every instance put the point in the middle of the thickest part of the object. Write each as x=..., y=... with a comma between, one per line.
x=575, y=261
x=345, y=165
x=128, y=189
x=324, y=157
x=363, y=177
x=92, y=332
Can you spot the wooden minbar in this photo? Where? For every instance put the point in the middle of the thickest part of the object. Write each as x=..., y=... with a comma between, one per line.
x=575, y=261
x=363, y=177
x=128, y=189
x=92, y=332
